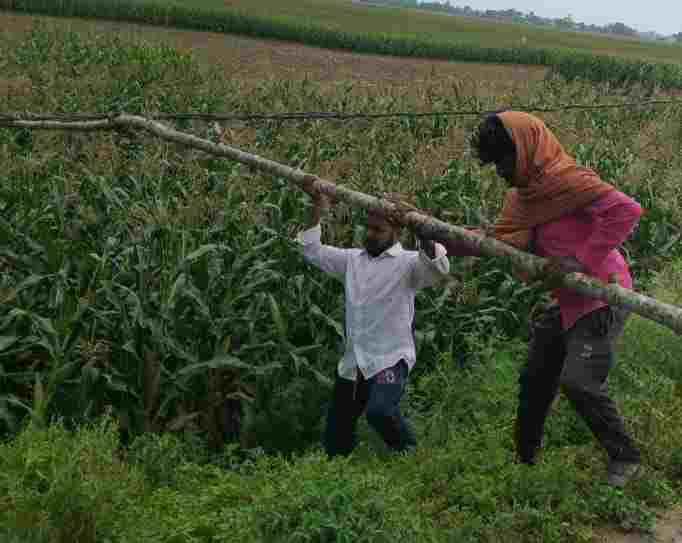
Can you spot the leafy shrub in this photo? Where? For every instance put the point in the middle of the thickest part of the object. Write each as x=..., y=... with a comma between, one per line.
x=58, y=486
x=160, y=456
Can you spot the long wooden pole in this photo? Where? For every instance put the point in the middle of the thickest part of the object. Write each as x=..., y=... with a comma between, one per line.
x=665, y=314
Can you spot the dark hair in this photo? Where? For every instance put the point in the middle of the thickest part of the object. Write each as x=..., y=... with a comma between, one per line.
x=491, y=141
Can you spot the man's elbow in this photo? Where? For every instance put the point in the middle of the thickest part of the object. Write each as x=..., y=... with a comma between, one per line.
x=630, y=207
x=634, y=214
x=443, y=268
x=638, y=211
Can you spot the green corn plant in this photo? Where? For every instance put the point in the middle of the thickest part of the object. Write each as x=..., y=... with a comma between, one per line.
x=54, y=345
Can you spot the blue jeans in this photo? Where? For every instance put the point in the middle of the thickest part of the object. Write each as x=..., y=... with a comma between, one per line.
x=380, y=398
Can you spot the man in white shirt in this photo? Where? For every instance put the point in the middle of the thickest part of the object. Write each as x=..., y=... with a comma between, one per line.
x=381, y=281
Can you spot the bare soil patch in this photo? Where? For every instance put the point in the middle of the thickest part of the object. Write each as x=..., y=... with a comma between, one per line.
x=255, y=59
x=668, y=530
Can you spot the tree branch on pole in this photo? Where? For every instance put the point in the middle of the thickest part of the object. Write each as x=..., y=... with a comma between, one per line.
x=665, y=314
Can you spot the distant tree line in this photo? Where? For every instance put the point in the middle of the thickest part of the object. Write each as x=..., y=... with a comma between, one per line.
x=516, y=16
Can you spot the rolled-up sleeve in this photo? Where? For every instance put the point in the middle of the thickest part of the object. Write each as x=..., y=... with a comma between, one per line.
x=614, y=217
x=427, y=272
x=329, y=259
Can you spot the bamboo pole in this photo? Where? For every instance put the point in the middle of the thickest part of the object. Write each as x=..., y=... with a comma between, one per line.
x=665, y=314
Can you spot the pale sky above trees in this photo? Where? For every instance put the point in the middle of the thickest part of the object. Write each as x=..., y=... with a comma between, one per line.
x=663, y=16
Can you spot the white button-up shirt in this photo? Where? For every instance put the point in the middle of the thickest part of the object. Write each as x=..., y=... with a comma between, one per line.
x=380, y=296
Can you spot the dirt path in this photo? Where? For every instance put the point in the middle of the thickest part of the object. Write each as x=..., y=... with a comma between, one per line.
x=668, y=530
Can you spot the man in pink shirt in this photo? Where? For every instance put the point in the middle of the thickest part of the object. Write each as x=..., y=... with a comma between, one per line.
x=560, y=211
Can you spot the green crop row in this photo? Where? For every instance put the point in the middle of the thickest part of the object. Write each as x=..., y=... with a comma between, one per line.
x=569, y=63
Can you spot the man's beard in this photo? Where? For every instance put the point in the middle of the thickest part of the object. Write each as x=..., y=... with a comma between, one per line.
x=375, y=248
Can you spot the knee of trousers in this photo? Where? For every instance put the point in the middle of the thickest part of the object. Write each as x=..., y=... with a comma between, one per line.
x=379, y=414
x=574, y=387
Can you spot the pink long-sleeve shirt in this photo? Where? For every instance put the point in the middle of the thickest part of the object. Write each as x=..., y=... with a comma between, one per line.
x=592, y=235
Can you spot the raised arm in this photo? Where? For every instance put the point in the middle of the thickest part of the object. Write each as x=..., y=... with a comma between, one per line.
x=462, y=248
x=431, y=266
x=329, y=259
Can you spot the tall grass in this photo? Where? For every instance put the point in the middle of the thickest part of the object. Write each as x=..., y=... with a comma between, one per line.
x=569, y=63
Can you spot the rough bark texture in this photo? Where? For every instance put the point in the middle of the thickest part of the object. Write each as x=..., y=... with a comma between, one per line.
x=666, y=314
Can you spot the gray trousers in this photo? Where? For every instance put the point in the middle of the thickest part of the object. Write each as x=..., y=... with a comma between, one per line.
x=577, y=360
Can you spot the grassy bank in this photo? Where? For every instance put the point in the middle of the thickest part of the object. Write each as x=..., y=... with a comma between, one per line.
x=461, y=485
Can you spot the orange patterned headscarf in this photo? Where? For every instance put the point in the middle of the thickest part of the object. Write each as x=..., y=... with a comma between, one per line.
x=556, y=185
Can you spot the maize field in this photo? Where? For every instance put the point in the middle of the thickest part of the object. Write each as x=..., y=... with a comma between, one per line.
x=158, y=291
